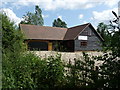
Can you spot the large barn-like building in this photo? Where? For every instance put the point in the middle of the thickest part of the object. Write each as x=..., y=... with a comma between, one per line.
x=78, y=38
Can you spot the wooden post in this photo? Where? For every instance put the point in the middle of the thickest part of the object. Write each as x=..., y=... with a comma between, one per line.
x=49, y=46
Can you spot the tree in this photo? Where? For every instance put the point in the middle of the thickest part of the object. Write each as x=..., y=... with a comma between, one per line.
x=103, y=31
x=59, y=23
x=109, y=70
x=23, y=69
x=12, y=48
x=115, y=40
x=12, y=38
x=33, y=18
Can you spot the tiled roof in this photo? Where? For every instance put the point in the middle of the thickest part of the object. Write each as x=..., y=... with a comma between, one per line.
x=74, y=31
x=53, y=33
x=43, y=32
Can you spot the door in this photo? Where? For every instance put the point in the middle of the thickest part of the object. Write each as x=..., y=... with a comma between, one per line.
x=49, y=46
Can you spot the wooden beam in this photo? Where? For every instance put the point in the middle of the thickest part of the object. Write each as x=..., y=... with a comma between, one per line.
x=37, y=40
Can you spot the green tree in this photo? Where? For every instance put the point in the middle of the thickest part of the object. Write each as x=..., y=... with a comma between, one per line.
x=12, y=38
x=115, y=41
x=109, y=70
x=34, y=18
x=104, y=32
x=12, y=48
x=102, y=29
x=59, y=23
x=23, y=70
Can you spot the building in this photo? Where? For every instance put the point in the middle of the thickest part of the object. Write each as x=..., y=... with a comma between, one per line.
x=78, y=38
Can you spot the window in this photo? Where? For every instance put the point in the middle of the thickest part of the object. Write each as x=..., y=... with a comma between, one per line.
x=83, y=43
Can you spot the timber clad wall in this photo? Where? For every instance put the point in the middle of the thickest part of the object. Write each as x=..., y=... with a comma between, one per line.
x=93, y=42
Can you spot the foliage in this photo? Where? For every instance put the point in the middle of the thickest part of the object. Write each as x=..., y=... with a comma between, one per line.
x=103, y=30
x=23, y=69
x=52, y=74
x=12, y=39
x=17, y=72
x=112, y=39
x=34, y=18
x=109, y=71
x=115, y=41
x=29, y=71
x=82, y=74
x=59, y=23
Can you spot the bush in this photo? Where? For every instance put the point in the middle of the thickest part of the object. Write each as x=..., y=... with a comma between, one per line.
x=81, y=73
x=52, y=73
x=30, y=71
x=22, y=69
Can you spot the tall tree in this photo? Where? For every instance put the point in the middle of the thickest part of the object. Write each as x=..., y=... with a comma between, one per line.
x=115, y=42
x=59, y=23
x=12, y=39
x=34, y=18
x=103, y=31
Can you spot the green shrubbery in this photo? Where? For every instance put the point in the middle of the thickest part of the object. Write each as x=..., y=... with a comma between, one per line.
x=84, y=74
x=22, y=69
x=29, y=71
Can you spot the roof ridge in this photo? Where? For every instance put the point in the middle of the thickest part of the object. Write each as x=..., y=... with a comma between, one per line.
x=83, y=29
x=79, y=25
x=43, y=26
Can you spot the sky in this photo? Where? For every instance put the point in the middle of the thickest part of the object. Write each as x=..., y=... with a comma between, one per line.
x=73, y=12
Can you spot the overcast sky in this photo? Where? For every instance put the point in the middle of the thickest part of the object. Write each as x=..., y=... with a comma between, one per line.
x=73, y=12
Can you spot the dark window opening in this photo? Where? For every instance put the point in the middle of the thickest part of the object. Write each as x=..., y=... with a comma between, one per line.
x=38, y=46
x=83, y=43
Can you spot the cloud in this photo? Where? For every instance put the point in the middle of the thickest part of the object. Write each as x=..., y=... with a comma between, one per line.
x=56, y=4
x=111, y=3
x=11, y=15
x=60, y=17
x=45, y=16
x=65, y=4
x=80, y=16
x=103, y=16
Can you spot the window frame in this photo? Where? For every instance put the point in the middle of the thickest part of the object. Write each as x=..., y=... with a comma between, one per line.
x=83, y=43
